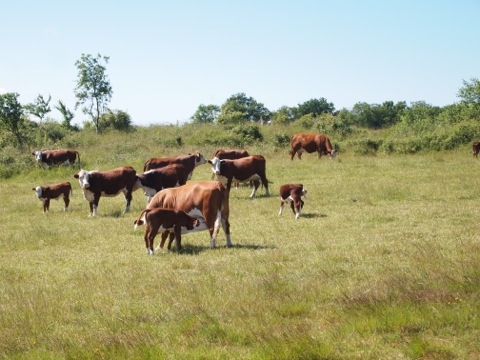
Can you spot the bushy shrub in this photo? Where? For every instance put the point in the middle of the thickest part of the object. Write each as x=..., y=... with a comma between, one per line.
x=248, y=133
x=282, y=140
x=365, y=146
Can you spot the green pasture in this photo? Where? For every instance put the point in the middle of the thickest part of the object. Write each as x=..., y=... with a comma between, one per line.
x=384, y=263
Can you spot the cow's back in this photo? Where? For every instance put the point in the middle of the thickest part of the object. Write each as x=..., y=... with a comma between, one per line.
x=114, y=179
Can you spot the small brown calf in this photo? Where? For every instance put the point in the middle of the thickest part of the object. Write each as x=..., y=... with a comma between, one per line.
x=475, y=149
x=45, y=193
x=166, y=221
x=292, y=193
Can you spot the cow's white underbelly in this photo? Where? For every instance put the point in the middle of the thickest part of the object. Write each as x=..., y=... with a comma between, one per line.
x=89, y=196
x=223, y=179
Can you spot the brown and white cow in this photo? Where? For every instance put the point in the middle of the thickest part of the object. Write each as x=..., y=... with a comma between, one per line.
x=107, y=183
x=230, y=155
x=190, y=161
x=206, y=201
x=47, y=158
x=311, y=143
x=476, y=149
x=292, y=194
x=166, y=221
x=250, y=168
x=57, y=191
x=152, y=181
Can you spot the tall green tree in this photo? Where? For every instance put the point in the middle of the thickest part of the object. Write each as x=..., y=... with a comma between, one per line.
x=93, y=89
x=206, y=114
x=11, y=116
x=314, y=107
x=39, y=108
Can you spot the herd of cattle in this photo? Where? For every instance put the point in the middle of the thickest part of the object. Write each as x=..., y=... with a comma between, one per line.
x=175, y=207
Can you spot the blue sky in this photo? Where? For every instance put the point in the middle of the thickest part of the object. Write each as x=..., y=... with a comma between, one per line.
x=168, y=57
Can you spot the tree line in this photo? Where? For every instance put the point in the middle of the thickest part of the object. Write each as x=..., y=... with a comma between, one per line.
x=94, y=92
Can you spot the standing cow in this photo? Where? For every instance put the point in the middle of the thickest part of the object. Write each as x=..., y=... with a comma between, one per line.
x=57, y=191
x=230, y=154
x=292, y=194
x=49, y=158
x=311, y=143
x=166, y=221
x=190, y=161
x=250, y=168
x=107, y=183
x=206, y=201
x=152, y=181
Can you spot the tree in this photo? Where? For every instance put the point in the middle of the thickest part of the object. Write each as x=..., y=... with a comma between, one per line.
x=470, y=92
x=206, y=114
x=248, y=107
x=39, y=108
x=66, y=113
x=93, y=87
x=117, y=119
x=314, y=107
x=11, y=116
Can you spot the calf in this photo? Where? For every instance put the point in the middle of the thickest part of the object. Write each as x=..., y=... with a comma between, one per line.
x=152, y=181
x=250, y=168
x=45, y=193
x=292, y=194
x=230, y=155
x=167, y=221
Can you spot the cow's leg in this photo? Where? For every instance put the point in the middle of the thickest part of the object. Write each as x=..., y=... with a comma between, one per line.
x=265, y=184
x=66, y=199
x=128, y=200
x=292, y=154
x=152, y=232
x=46, y=205
x=226, y=230
x=282, y=204
x=256, y=184
x=215, y=229
x=178, y=237
x=94, y=204
x=162, y=241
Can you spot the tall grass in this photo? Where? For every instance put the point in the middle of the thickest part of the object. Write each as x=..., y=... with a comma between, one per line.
x=383, y=263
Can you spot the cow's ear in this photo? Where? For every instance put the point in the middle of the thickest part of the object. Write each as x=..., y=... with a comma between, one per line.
x=210, y=162
x=75, y=176
x=34, y=189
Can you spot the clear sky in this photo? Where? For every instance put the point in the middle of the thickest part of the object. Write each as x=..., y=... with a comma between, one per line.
x=169, y=57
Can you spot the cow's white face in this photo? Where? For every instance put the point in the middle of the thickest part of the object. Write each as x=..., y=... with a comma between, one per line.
x=200, y=159
x=38, y=191
x=333, y=153
x=215, y=165
x=38, y=156
x=83, y=179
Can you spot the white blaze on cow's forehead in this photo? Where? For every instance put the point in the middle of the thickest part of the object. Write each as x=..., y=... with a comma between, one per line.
x=38, y=191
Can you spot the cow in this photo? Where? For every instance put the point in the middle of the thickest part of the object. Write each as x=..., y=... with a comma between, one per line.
x=206, y=201
x=476, y=149
x=107, y=183
x=229, y=154
x=167, y=221
x=152, y=181
x=47, y=158
x=250, y=168
x=57, y=191
x=190, y=161
x=311, y=143
x=292, y=194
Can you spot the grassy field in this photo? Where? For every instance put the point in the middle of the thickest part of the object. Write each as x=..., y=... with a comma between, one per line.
x=383, y=264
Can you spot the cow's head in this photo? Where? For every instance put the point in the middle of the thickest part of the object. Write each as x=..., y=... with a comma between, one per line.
x=191, y=222
x=333, y=154
x=83, y=178
x=38, y=191
x=215, y=162
x=38, y=155
x=199, y=159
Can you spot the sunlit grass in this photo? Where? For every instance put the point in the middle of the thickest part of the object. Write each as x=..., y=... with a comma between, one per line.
x=383, y=263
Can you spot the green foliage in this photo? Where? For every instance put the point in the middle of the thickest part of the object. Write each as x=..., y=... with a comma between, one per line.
x=248, y=133
x=470, y=92
x=11, y=118
x=40, y=108
x=283, y=116
x=93, y=89
x=306, y=121
x=315, y=107
x=67, y=115
x=206, y=114
x=282, y=140
x=239, y=108
x=377, y=116
x=117, y=120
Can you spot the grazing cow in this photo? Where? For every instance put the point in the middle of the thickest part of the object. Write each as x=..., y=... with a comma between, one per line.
x=476, y=149
x=49, y=158
x=311, y=143
x=250, y=168
x=229, y=154
x=206, y=201
x=167, y=221
x=292, y=194
x=57, y=191
x=107, y=183
x=152, y=181
x=190, y=161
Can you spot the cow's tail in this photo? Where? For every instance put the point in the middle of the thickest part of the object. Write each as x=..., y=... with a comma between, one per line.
x=71, y=189
x=78, y=161
x=141, y=219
